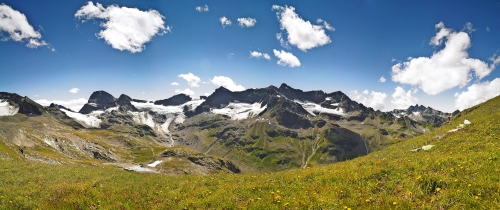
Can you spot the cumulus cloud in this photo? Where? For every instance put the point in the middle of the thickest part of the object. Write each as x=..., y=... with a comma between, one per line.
x=74, y=90
x=286, y=58
x=445, y=69
x=477, y=93
x=302, y=34
x=186, y=91
x=225, y=21
x=382, y=79
x=246, y=22
x=202, y=8
x=192, y=79
x=125, y=28
x=227, y=83
x=403, y=99
x=74, y=105
x=255, y=54
x=15, y=24
x=174, y=83
x=375, y=100
x=230, y=55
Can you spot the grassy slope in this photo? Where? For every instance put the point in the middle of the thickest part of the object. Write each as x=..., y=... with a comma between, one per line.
x=460, y=172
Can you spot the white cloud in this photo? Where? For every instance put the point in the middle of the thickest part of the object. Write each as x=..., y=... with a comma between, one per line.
x=74, y=105
x=286, y=58
x=246, y=22
x=74, y=90
x=382, y=79
x=326, y=24
x=125, y=28
x=477, y=93
x=227, y=83
x=403, y=99
x=283, y=43
x=488, y=29
x=191, y=79
x=302, y=34
x=203, y=8
x=174, y=83
x=468, y=28
x=225, y=21
x=445, y=69
x=230, y=55
x=186, y=91
x=255, y=54
x=375, y=100
x=16, y=25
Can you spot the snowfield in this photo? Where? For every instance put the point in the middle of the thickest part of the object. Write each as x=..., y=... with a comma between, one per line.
x=312, y=107
x=240, y=111
x=7, y=110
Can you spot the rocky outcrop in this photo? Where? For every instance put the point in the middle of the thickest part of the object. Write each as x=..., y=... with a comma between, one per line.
x=209, y=163
x=55, y=111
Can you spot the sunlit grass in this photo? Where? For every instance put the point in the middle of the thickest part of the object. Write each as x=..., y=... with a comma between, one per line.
x=460, y=172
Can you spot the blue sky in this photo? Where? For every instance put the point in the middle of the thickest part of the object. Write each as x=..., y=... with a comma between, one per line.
x=367, y=41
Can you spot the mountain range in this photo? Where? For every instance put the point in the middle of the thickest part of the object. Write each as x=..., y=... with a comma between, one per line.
x=264, y=129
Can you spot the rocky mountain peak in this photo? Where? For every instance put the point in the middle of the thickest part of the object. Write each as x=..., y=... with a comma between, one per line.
x=125, y=104
x=174, y=100
x=99, y=100
x=24, y=104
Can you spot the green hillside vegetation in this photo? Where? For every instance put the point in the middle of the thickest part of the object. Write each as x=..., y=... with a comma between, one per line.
x=460, y=172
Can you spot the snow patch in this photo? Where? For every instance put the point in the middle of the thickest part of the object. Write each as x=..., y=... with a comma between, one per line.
x=154, y=164
x=312, y=107
x=90, y=120
x=466, y=122
x=241, y=111
x=139, y=168
x=416, y=113
x=7, y=110
x=328, y=98
x=335, y=104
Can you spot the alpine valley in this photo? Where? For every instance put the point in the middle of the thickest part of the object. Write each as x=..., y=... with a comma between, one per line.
x=256, y=130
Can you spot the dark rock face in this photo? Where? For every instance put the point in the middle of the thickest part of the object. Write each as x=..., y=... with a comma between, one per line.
x=26, y=105
x=99, y=100
x=174, y=100
x=124, y=103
